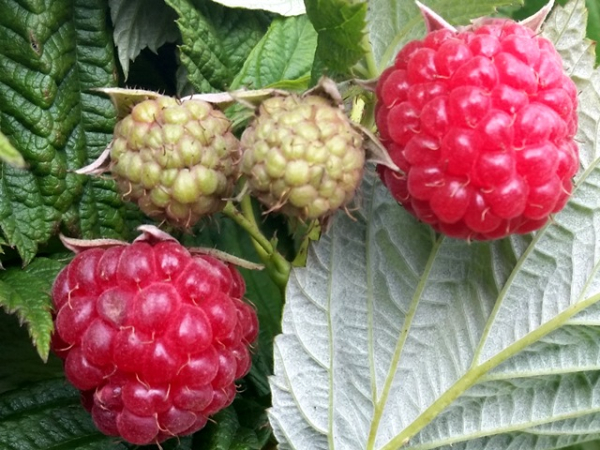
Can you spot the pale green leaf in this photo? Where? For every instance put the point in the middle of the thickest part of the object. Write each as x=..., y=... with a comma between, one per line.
x=10, y=154
x=394, y=336
x=139, y=24
x=282, y=7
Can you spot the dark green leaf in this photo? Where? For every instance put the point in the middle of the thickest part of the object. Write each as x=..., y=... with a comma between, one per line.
x=40, y=111
x=593, y=24
x=216, y=41
x=19, y=362
x=139, y=24
x=341, y=27
x=99, y=211
x=526, y=9
x=53, y=53
x=179, y=443
x=48, y=415
x=242, y=426
x=238, y=30
x=25, y=292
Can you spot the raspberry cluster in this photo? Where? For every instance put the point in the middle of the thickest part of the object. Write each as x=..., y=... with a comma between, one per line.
x=482, y=124
x=153, y=337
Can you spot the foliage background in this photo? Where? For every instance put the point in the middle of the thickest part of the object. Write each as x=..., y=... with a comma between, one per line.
x=53, y=54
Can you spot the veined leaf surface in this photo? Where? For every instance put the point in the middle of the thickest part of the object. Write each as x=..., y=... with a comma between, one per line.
x=394, y=336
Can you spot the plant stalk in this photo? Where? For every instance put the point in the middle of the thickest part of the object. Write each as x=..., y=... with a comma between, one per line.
x=277, y=266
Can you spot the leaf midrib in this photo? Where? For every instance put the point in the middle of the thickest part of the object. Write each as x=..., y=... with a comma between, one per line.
x=380, y=404
x=473, y=375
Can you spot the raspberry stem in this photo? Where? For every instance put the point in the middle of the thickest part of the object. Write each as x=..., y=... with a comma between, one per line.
x=277, y=266
x=373, y=72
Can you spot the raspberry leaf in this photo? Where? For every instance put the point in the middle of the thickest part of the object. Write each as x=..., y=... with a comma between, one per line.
x=139, y=24
x=391, y=24
x=216, y=41
x=283, y=56
x=593, y=26
x=565, y=28
x=396, y=337
x=48, y=415
x=25, y=292
x=51, y=57
x=242, y=426
x=21, y=363
x=340, y=25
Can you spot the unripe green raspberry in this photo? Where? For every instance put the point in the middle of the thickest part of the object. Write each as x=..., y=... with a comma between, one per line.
x=302, y=156
x=177, y=160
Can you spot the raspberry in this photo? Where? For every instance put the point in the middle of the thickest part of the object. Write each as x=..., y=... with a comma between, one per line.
x=177, y=160
x=302, y=156
x=482, y=123
x=153, y=337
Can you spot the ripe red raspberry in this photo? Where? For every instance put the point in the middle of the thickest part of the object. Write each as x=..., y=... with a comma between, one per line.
x=482, y=124
x=153, y=337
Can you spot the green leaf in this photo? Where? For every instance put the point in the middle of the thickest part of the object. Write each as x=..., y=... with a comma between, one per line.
x=341, y=27
x=53, y=53
x=594, y=445
x=26, y=292
x=242, y=426
x=40, y=112
x=99, y=212
x=10, y=154
x=284, y=54
x=282, y=7
x=529, y=7
x=392, y=23
x=216, y=41
x=20, y=364
x=395, y=337
x=593, y=24
x=48, y=415
x=239, y=31
x=139, y=24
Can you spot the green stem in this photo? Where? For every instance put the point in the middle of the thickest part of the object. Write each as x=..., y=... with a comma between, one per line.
x=277, y=266
x=369, y=58
x=368, y=118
